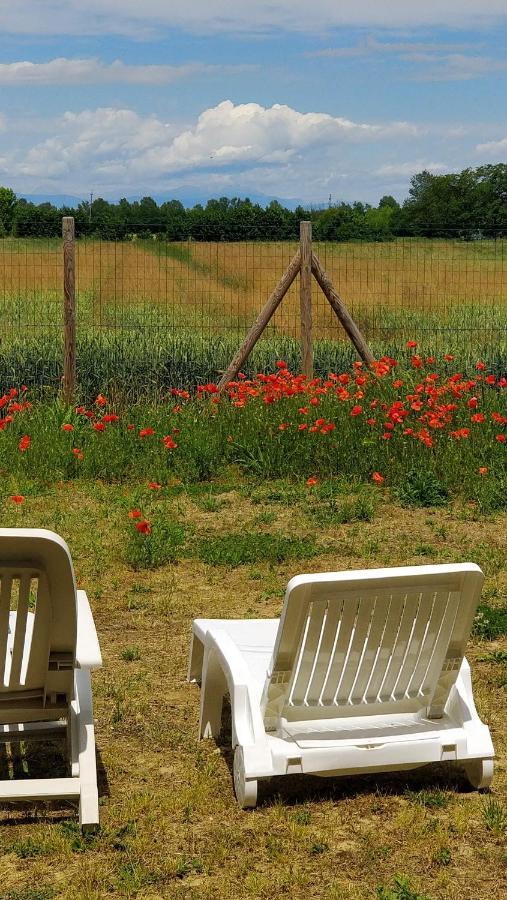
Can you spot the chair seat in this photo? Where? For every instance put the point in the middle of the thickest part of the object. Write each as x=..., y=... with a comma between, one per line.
x=365, y=730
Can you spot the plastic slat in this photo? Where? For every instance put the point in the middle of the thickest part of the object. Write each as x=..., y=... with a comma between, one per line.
x=20, y=633
x=5, y=608
x=399, y=648
x=416, y=642
x=415, y=685
x=441, y=645
x=345, y=634
x=375, y=635
x=325, y=655
x=308, y=652
x=356, y=650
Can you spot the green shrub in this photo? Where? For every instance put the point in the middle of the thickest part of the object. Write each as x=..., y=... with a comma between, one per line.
x=421, y=487
x=241, y=547
x=164, y=544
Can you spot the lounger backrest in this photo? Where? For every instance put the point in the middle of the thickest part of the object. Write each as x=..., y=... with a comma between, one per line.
x=371, y=642
x=36, y=576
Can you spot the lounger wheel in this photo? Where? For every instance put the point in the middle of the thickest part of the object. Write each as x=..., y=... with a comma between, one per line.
x=479, y=772
x=245, y=788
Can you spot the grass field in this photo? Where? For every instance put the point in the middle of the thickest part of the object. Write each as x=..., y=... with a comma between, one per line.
x=153, y=313
x=170, y=826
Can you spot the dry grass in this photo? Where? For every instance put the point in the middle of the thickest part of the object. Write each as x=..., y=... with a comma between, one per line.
x=170, y=823
x=225, y=284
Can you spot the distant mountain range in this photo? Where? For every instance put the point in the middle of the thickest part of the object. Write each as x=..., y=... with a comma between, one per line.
x=188, y=197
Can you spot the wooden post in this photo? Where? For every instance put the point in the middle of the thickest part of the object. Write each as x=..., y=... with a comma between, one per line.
x=69, y=295
x=305, y=298
x=341, y=311
x=261, y=321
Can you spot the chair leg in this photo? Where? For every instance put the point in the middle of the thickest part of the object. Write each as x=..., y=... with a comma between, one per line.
x=82, y=738
x=213, y=688
x=195, y=662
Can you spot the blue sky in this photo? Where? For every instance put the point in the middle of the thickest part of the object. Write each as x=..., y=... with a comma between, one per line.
x=340, y=98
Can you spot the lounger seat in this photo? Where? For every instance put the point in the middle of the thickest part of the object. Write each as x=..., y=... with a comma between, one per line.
x=363, y=672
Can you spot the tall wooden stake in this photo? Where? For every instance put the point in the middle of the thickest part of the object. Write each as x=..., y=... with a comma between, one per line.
x=305, y=298
x=69, y=294
x=341, y=311
x=261, y=321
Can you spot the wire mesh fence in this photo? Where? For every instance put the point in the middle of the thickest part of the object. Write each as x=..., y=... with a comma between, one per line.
x=153, y=313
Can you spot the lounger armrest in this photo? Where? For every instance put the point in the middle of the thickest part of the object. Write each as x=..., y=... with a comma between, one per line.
x=88, y=655
x=248, y=723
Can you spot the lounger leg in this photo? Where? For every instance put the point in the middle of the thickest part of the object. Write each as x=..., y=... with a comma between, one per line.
x=213, y=688
x=196, y=660
x=83, y=749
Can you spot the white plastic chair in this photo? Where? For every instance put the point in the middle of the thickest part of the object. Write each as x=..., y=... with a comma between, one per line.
x=48, y=645
x=363, y=672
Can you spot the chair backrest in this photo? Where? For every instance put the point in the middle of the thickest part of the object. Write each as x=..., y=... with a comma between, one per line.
x=370, y=642
x=36, y=654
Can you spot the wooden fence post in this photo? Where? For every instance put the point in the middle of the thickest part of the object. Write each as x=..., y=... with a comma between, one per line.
x=305, y=298
x=69, y=311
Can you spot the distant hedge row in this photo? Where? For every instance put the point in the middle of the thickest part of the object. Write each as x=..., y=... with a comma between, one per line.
x=471, y=204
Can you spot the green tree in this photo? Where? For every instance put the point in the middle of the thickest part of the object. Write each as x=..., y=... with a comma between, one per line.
x=8, y=202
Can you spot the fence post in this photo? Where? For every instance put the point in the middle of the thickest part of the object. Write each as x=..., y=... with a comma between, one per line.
x=305, y=298
x=69, y=308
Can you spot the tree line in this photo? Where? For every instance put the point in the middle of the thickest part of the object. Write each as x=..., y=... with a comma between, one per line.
x=471, y=204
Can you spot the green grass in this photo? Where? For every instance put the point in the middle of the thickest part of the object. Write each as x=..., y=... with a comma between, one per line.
x=170, y=825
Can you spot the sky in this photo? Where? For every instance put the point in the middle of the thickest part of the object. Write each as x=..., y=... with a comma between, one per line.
x=340, y=99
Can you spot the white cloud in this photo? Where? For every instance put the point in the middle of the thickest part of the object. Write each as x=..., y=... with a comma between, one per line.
x=119, y=145
x=215, y=16
x=497, y=149
x=456, y=66
x=93, y=71
x=407, y=169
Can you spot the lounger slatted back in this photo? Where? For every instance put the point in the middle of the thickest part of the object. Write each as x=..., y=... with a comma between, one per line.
x=48, y=644
x=37, y=651
x=364, y=672
x=371, y=642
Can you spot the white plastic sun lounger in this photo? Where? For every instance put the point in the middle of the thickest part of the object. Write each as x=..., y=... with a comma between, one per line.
x=48, y=645
x=363, y=672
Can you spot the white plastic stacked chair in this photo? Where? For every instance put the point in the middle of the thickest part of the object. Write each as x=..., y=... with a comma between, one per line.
x=363, y=672
x=48, y=645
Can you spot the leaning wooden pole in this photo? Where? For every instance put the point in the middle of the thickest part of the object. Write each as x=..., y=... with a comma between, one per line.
x=305, y=298
x=341, y=311
x=69, y=311
x=261, y=321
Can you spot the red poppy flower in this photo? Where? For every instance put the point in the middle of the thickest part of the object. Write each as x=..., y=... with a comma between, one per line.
x=501, y=438
x=168, y=442
x=135, y=514
x=356, y=411
x=448, y=357
x=67, y=427
x=478, y=417
x=154, y=485
x=17, y=498
x=311, y=482
x=98, y=426
x=480, y=366
x=411, y=344
x=377, y=478
x=78, y=453
x=101, y=400
x=146, y=432
x=483, y=470
x=144, y=527
x=24, y=443
x=314, y=401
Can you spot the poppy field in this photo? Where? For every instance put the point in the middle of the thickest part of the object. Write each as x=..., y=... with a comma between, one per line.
x=415, y=425
x=202, y=504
